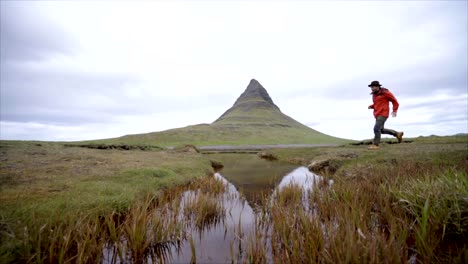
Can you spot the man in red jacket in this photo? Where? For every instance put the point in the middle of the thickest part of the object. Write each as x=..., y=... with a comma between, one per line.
x=381, y=98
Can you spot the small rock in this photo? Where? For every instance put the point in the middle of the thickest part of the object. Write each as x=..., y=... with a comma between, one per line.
x=267, y=156
x=349, y=174
x=216, y=165
x=191, y=149
x=188, y=149
x=361, y=143
x=327, y=166
x=349, y=155
x=298, y=161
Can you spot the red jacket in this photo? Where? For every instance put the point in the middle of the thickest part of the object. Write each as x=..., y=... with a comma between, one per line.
x=381, y=100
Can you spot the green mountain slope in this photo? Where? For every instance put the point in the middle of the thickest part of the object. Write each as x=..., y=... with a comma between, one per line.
x=253, y=119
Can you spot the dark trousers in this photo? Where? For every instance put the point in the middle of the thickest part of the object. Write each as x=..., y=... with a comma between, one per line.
x=379, y=129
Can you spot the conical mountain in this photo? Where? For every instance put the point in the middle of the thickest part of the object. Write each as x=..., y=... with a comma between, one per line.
x=256, y=108
x=254, y=96
x=254, y=119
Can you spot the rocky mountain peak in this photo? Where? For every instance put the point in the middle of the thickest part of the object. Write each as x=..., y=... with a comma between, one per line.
x=255, y=91
x=255, y=98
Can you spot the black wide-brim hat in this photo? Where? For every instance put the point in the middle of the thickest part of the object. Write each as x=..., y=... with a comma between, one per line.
x=374, y=83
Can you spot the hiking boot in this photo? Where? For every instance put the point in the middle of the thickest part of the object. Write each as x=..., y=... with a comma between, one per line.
x=373, y=147
x=399, y=136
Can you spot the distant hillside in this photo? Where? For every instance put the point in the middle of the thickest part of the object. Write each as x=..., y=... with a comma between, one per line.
x=253, y=119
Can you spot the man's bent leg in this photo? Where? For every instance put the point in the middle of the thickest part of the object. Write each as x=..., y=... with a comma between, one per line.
x=378, y=127
x=389, y=132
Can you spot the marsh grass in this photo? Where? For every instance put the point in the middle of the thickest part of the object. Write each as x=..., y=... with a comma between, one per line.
x=404, y=207
x=289, y=197
x=439, y=207
x=204, y=210
x=336, y=227
x=257, y=249
x=73, y=239
x=140, y=234
x=147, y=230
x=398, y=206
x=209, y=185
x=151, y=232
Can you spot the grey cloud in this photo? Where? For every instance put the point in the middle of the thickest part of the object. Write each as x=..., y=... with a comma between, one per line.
x=64, y=97
x=452, y=103
x=416, y=75
x=57, y=117
x=448, y=76
x=58, y=97
x=443, y=114
x=27, y=35
x=453, y=113
x=417, y=80
x=448, y=122
x=440, y=119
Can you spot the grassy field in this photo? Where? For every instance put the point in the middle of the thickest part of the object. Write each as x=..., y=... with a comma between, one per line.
x=47, y=184
x=65, y=204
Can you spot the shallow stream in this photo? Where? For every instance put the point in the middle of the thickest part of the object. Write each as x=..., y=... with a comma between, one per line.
x=249, y=187
x=249, y=181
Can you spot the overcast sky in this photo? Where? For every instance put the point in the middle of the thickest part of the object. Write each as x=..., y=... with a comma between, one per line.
x=75, y=70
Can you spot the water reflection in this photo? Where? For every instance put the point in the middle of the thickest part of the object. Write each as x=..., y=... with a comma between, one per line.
x=216, y=243
x=255, y=178
x=303, y=178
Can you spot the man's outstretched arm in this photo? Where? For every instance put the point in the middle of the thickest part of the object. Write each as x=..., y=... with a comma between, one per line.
x=394, y=101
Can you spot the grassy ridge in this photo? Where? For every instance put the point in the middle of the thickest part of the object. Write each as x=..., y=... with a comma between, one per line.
x=218, y=134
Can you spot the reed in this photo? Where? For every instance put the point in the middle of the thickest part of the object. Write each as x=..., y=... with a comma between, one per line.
x=204, y=210
x=289, y=196
x=151, y=232
x=391, y=213
x=208, y=185
x=73, y=239
x=439, y=207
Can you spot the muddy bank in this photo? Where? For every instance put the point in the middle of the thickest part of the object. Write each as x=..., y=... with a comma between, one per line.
x=115, y=146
